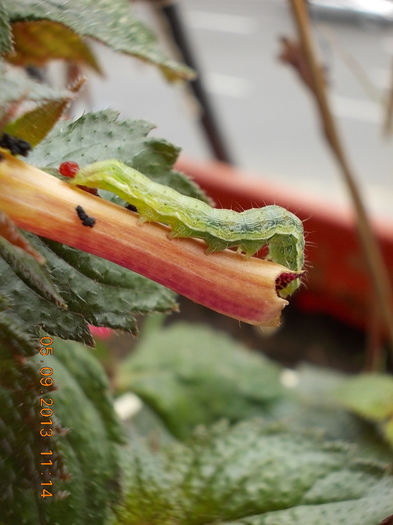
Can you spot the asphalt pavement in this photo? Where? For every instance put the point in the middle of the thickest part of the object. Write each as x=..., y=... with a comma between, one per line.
x=267, y=117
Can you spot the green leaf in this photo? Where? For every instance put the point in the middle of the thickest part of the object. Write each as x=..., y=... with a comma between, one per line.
x=35, y=43
x=5, y=30
x=9, y=231
x=91, y=443
x=34, y=125
x=101, y=136
x=30, y=272
x=192, y=375
x=310, y=403
x=370, y=396
x=20, y=440
x=14, y=341
x=86, y=370
x=109, y=21
x=254, y=474
x=34, y=311
x=86, y=470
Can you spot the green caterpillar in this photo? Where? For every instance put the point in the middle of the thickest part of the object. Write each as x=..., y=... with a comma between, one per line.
x=188, y=217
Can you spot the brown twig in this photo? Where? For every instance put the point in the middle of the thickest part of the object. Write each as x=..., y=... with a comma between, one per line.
x=372, y=253
x=291, y=53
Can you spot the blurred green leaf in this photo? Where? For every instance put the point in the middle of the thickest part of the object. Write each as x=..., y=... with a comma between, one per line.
x=86, y=470
x=311, y=403
x=30, y=272
x=370, y=396
x=36, y=42
x=101, y=136
x=254, y=474
x=191, y=375
x=110, y=21
x=147, y=424
x=20, y=440
x=91, y=443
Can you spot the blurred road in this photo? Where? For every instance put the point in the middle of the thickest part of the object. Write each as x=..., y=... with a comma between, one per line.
x=267, y=116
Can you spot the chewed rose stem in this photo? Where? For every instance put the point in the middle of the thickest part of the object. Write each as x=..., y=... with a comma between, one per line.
x=226, y=282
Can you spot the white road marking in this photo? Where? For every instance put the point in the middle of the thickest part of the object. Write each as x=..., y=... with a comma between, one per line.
x=356, y=109
x=228, y=85
x=387, y=45
x=381, y=77
x=240, y=25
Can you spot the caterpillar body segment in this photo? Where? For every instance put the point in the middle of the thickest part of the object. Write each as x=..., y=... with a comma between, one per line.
x=248, y=231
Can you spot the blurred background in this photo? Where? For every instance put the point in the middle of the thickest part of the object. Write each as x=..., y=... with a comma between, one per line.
x=265, y=115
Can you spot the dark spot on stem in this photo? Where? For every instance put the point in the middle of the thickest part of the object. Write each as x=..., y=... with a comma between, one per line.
x=85, y=219
x=131, y=207
x=16, y=145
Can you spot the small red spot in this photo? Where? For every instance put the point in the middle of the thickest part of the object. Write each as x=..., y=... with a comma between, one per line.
x=101, y=332
x=69, y=169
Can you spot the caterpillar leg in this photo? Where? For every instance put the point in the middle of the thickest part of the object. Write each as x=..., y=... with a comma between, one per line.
x=179, y=230
x=250, y=248
x=215, y=245
x=147, y=214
